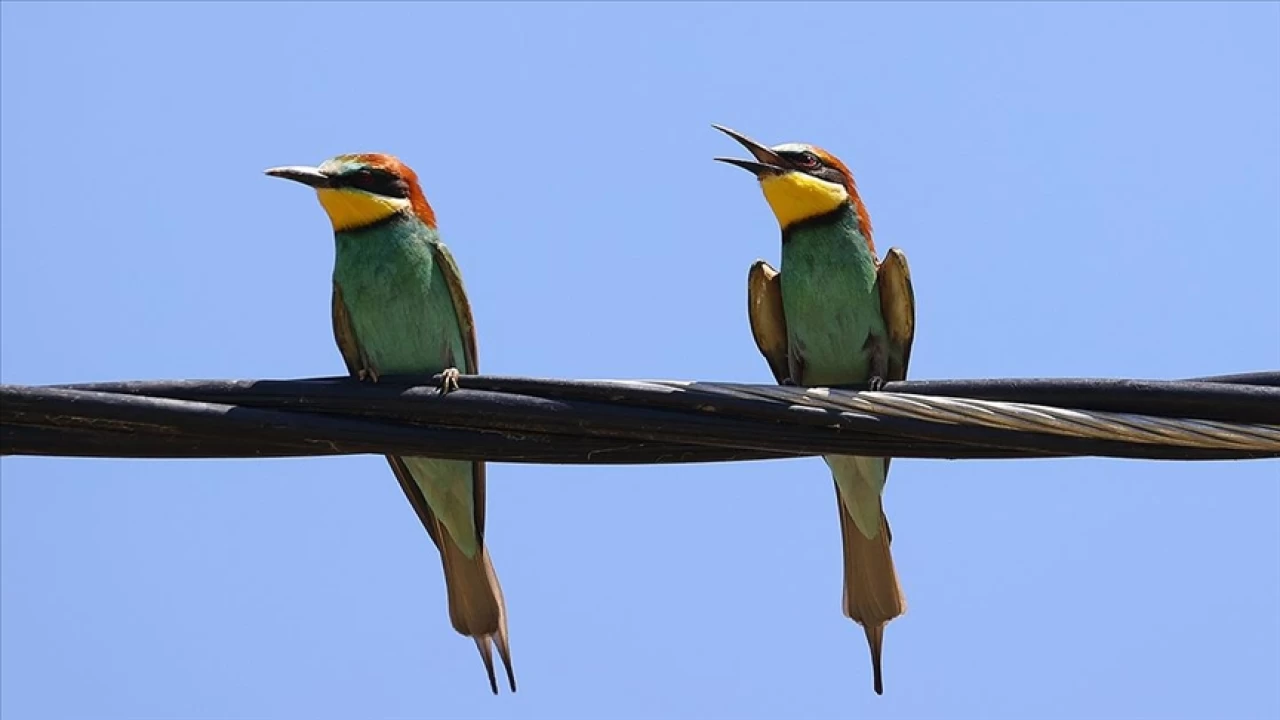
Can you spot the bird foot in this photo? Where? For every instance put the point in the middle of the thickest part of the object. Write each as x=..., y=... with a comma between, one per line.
x=449, y=380
x=875, y=383
x=788, y=381
x=367, y=374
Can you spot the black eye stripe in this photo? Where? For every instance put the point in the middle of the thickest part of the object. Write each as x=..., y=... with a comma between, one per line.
x=810, y=164
x=804, y=159
x=376, y=181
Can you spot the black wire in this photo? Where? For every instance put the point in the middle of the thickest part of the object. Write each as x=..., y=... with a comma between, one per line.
x=1227, y=399
x=463, y=425
x=572, y=421
x=1199, y=400
x=82, y=423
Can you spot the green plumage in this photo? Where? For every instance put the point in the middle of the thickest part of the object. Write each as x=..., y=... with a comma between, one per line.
x=830, y=298
x=834, y=315
x=834, y=320
x=403, y=313
x=399, y=308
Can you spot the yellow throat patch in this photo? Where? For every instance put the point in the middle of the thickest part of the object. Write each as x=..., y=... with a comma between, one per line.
x=351, y=209
x=795, y=196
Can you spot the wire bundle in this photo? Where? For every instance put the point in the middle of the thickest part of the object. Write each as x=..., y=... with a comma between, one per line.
x=529, y=420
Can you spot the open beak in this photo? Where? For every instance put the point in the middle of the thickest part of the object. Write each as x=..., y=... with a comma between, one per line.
x=767, y=162
x=300, y=173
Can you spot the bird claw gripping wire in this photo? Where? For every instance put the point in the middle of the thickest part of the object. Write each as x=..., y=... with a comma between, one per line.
x=449, y=380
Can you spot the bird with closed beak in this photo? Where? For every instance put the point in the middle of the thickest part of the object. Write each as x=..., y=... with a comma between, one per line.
x=399, y=308
x=834, y=314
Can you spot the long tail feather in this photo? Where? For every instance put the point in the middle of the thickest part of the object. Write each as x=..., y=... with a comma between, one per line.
x=875, y=641
x=476, y=607
x=486, y=655
x=872, y=595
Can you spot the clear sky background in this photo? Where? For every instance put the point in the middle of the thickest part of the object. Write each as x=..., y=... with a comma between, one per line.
x=1082, y=190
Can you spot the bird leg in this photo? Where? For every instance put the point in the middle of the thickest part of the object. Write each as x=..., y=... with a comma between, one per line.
x=877, y=362
x=449, y=380
x=795, y=368
x=366, y=371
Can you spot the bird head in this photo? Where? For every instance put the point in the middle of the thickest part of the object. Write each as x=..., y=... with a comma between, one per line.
x=800, y=182
x=362, y=190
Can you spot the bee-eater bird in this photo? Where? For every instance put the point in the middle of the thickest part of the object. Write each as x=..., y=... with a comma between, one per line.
x=834, y=315
x=399, y=308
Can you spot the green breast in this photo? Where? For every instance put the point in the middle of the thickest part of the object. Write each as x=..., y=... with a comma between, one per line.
x=830, y=299
x=406, y=323
x=398, y=299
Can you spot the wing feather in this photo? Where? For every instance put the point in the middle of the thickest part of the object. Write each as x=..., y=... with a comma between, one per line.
x=471, y=361
x=898, y=304
x=768, y=321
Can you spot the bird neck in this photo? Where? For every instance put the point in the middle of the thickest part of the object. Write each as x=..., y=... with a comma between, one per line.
x=387, y=234
x=844, y=225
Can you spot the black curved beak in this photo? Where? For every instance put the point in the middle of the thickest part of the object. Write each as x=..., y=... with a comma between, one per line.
x=308, y=176
x=767, y=162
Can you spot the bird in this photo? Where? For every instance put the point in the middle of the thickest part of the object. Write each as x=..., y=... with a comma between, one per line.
x=833, y=314
x=399, y=308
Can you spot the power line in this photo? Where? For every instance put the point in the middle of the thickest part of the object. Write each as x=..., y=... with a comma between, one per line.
x=527, y=420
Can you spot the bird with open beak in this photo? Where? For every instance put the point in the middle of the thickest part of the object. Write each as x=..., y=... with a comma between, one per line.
x=833, y=314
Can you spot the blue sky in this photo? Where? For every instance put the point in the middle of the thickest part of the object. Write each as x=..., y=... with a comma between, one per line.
x=1082, y=190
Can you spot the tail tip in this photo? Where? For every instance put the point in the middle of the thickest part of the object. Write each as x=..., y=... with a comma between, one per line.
x=511, y=678
x=875, y=642
x=504, y=652
x=482, y=644
x=493, y=682
x=486, y=654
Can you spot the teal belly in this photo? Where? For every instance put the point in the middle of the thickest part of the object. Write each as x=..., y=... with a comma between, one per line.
x=830, y=340
x=399, y=303
x=832, y=307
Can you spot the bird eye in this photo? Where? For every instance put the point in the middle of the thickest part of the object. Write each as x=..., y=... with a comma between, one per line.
x=809, y=160
x=361, y=178
x=378, y=182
